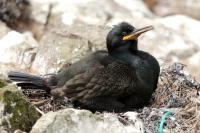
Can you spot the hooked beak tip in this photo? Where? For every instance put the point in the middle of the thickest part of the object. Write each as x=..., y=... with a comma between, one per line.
x=136, y=33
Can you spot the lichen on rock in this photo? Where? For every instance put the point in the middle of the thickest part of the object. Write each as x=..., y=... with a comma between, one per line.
x=18, y=113
x=2, y=83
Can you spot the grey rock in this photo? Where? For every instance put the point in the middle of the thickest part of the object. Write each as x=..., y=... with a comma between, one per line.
x=11, y=11
x=177, y=40
x=16, y=112
x=167, y=44
x=187, y=7
x=67, y=44
x=4, y=29
x=40, y=11
x=17, y=51
x=80, y=121
x=93, y=11
x=168, y=7
x=3, y=129
x=184, y=26
x=193, y=66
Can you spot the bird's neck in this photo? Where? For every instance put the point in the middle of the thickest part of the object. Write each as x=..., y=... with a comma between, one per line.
x=125, y=54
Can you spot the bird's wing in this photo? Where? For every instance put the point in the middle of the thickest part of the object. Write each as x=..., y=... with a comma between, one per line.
x=113, y=80
x=85, y=64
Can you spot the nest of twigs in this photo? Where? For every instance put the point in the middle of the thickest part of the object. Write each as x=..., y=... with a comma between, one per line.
x=177, y=94
x=45, y=102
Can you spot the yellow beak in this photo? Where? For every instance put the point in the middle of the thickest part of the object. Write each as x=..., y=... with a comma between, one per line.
x=136, y=33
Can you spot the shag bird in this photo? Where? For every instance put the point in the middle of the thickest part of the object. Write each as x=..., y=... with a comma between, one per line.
x=121, y=79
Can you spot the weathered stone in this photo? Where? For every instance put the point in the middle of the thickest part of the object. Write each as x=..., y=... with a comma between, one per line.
x=4, y=29
x=174, y=39
x=40, y=11
x=12, y=11
x=80, y=121
x=3, y=129
x=17, y=113
x=2, y=83
x=168, y=7
x=59, y=46
x=85, y=12
x=185, y=26
x=17, y=50
x=187, y=7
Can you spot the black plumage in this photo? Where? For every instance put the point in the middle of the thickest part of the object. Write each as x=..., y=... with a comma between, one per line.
x=121, y=79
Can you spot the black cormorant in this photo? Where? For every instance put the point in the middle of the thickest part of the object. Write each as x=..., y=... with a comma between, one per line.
x=121, y=79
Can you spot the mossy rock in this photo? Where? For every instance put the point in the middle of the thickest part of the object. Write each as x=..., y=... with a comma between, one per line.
x=21, y=114
x=2, y=83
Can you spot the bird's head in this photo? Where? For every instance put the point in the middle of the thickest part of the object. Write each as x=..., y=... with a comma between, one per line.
x=124, y=36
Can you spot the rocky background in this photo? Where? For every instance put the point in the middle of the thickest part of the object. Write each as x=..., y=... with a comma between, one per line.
x=40, y=36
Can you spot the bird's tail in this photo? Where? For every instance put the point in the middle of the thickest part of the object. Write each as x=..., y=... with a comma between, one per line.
x=28, y=81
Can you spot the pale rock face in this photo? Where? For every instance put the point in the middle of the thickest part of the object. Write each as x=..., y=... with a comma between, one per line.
x=4, y=29
x=167, y=7
x=184, y=25
x=186, y=45
x=13, y=107
x=67, y=44
x=10, y=40
x=80, y=121
x=17, y=49
x=187, y=7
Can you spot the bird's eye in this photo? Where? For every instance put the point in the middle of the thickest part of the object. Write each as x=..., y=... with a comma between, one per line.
x=124, y=33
